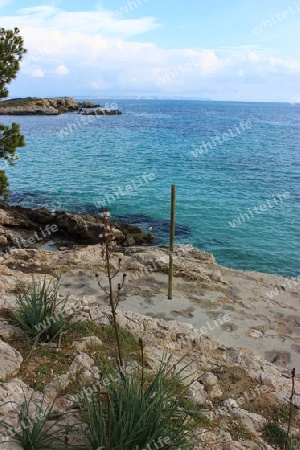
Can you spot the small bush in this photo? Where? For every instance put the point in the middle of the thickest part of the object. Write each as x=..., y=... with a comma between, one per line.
x=276, y=436
x=126, y=416
x=40, y=312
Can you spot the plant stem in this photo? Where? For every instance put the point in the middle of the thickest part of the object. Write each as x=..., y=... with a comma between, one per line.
x=141, y=344
x=290, y=412
x=112, y=304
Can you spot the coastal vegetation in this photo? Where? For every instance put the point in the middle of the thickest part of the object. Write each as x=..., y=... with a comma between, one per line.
x=11, y=54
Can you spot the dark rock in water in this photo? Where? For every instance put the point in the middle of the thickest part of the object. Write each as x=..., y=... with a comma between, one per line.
x=79, y=228
x=86, y=104
x=159, y=228
x=100, y=112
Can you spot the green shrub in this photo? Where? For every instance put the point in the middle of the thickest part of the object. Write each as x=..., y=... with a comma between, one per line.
x=276, y=436
x=126, y=416
x=40, y=312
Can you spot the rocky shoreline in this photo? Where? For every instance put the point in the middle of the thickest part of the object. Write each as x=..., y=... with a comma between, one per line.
x=240, y=331
x=52, y=107
x=19, y=224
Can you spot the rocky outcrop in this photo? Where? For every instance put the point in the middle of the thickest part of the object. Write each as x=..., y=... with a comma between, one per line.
x=51, y=106
x=41, y=225
x=36, y=106
x=31, y=110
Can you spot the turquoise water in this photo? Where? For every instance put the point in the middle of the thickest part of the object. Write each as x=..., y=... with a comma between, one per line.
x=152, y=146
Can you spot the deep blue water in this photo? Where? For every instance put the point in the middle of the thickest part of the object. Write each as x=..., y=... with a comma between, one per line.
x=94, y=162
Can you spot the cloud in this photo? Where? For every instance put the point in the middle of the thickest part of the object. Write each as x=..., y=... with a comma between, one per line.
x=90, y=22
x=38, y=73
x=94, y=49
x=61, y=70
x=107, y=64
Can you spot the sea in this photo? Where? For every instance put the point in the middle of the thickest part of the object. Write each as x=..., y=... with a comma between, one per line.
x=235, y=165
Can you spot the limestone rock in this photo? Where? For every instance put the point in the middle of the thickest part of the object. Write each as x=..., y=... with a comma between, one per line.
x=209, y=379
x=10, y=361
x=11, y=398
x=253, y=422
x=55, y=386
x=9, y=444
x=187, y=262
x=89, y=341
x=268, y=380
x=32, y=110
x=80, y=363
x=81, y=228
x=215, y=392
x=8, y=331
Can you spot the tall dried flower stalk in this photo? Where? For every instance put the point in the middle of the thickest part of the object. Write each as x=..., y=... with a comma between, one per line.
x=107, y=246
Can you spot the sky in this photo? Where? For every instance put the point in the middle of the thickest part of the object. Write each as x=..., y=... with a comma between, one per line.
x=239, y=50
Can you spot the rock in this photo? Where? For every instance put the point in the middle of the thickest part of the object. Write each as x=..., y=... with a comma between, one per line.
x=83, y=229
x=129, y=241
x=93, y=342
x=50, y=106
x=11, y=398
x=209, y=379
x=55, y=386
x=256, y=334
x=197, y=393
x=9, y=444
x=252, y=421
x=87, y=104
x=9, y=331
x=90, y=376
x=268, y=380
x=215, y=392
x=101, y=112
x=3, y=241
x=10, y=361
x=80, y=363
x=29, y=111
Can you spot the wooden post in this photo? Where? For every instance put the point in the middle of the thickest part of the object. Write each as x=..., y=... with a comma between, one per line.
x=172, y=235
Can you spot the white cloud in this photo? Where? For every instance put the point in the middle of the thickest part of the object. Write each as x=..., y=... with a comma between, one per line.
x=109, y=64
x=61, y=70
x=90, y=22
x=38, y=73
x=92, y=47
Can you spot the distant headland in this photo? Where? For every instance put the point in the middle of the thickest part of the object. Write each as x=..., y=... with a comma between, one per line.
x=51, y=107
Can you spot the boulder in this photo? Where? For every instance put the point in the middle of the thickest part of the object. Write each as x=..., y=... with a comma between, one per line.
x=10, y=361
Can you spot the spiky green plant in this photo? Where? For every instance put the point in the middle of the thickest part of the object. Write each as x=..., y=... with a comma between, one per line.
x=277, y=436
x=125, y=416
x=38, y=427
x=40, y=312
